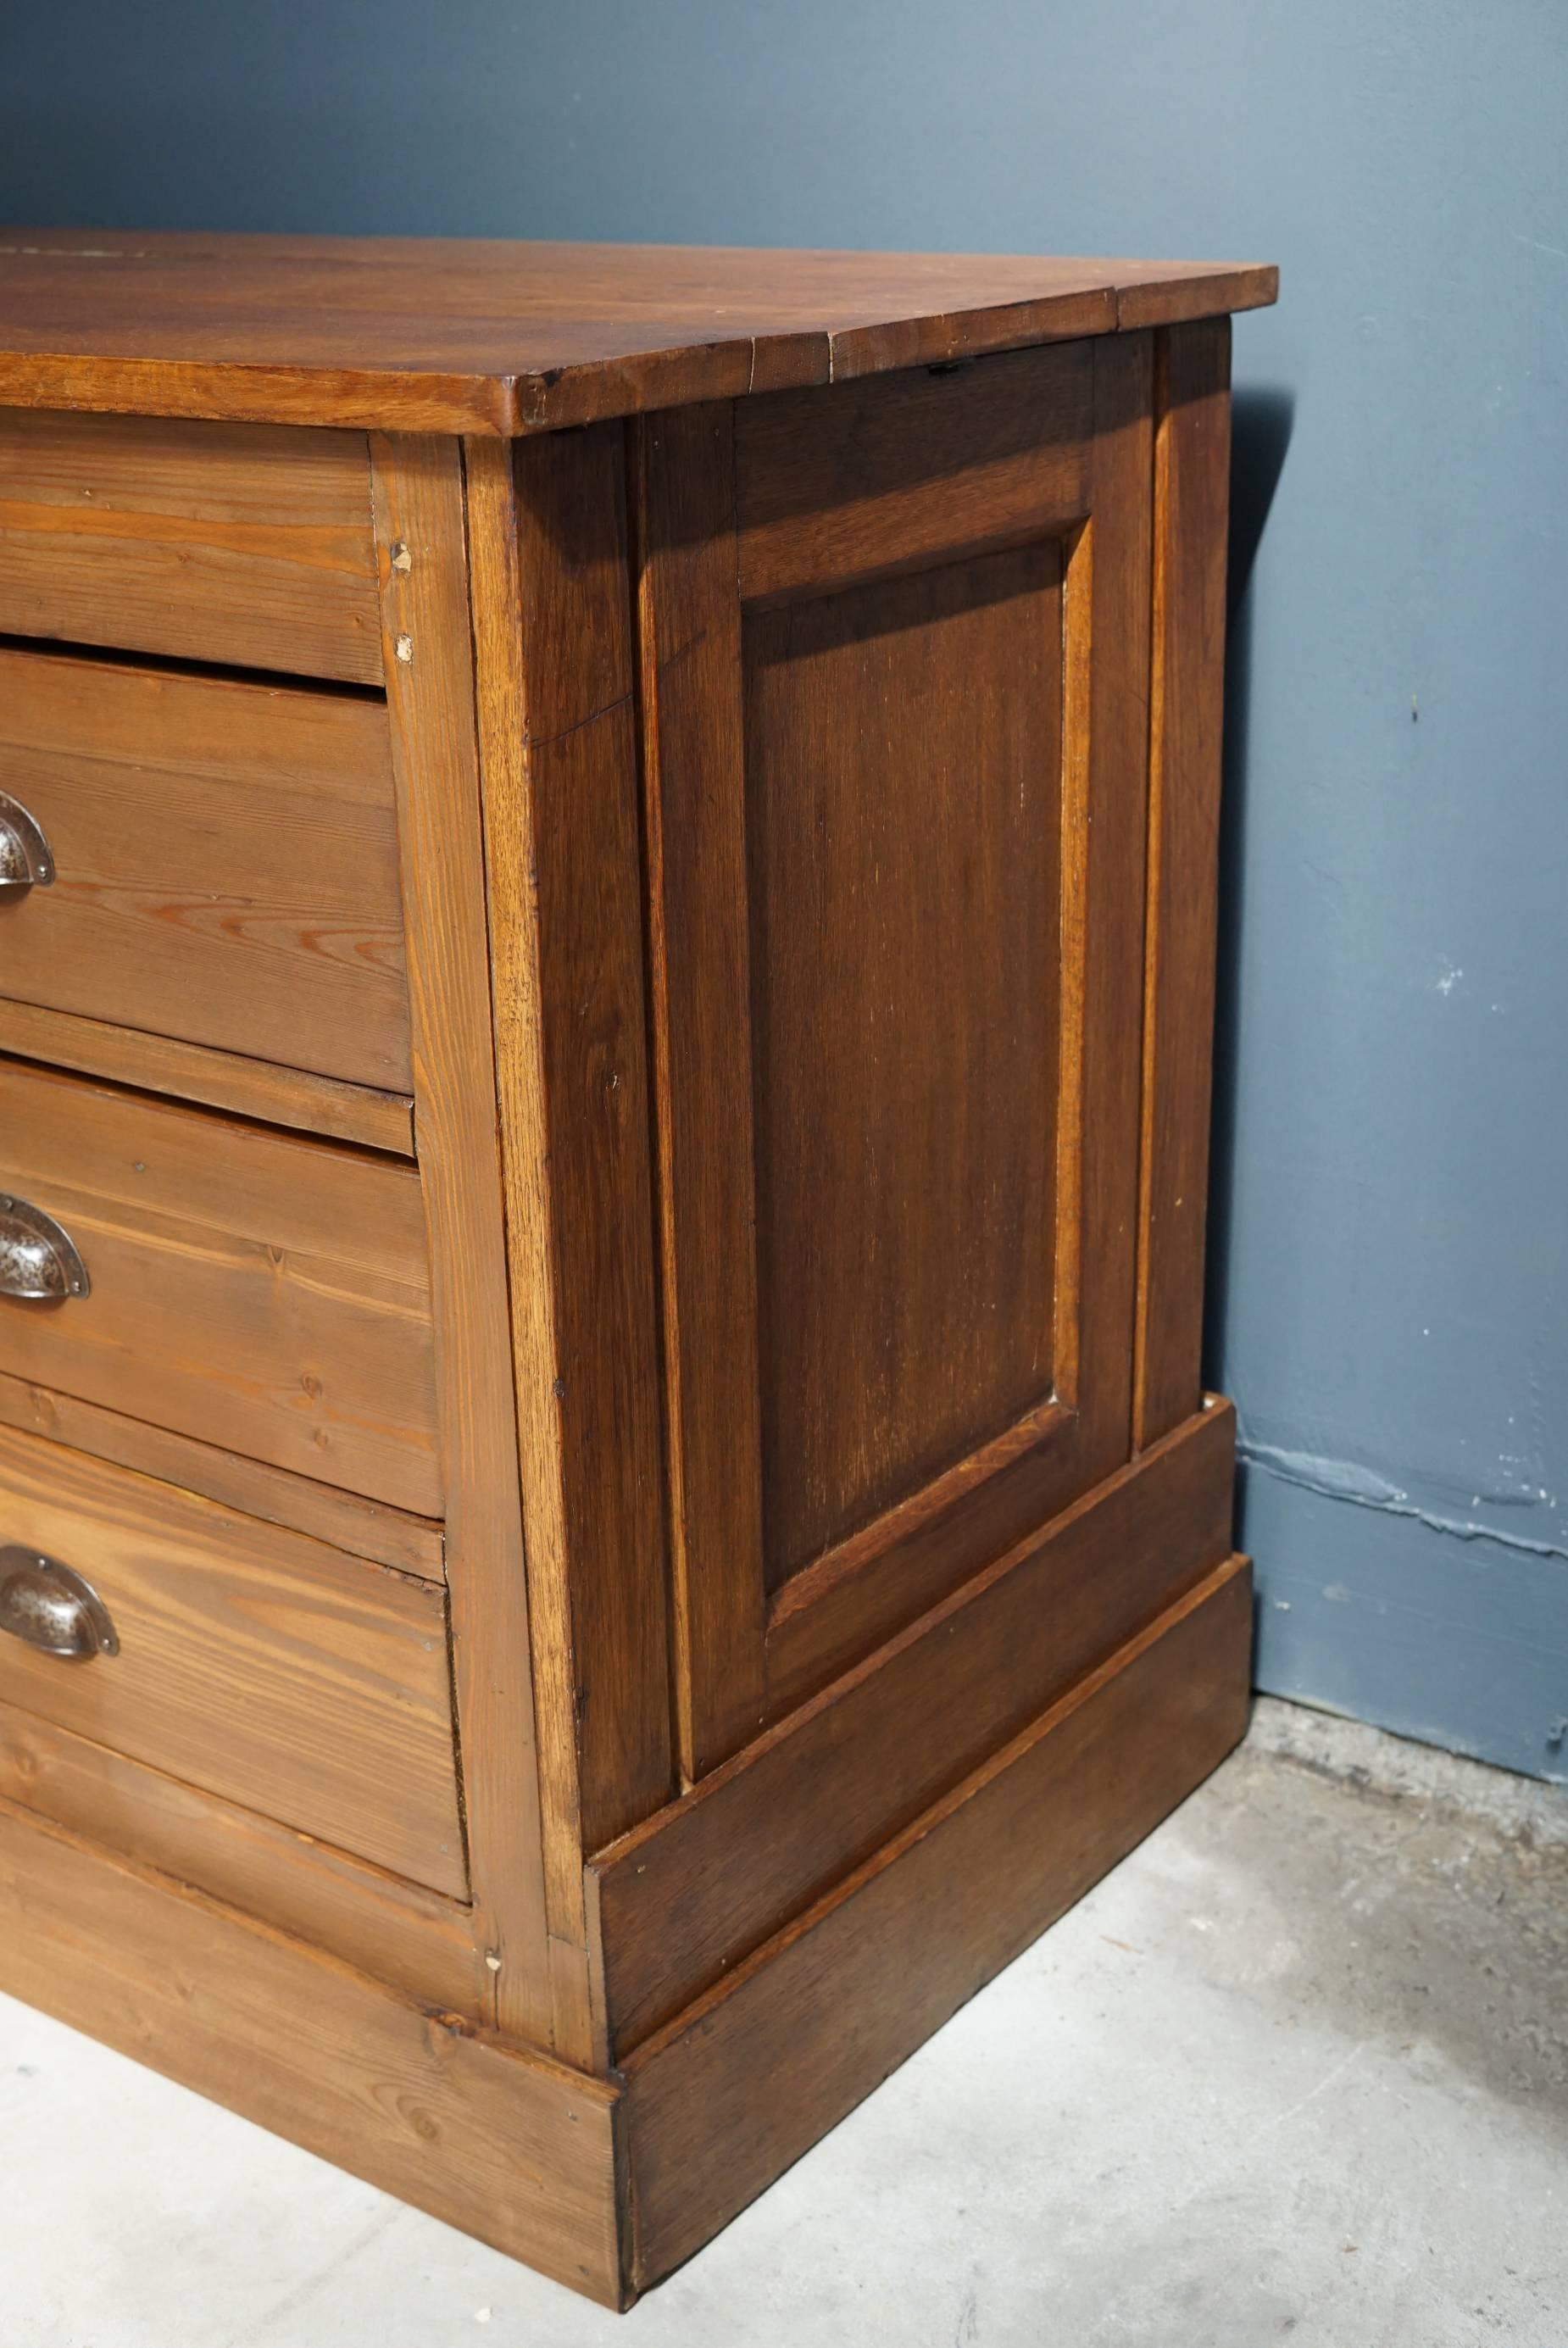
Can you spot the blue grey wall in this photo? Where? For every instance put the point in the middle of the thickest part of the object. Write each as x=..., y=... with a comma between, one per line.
x=1392, y=1167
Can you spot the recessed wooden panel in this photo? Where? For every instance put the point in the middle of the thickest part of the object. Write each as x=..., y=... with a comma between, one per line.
x=902, y=777
x=225, y=862
x=255, y=1662
x=261, y=1292
x=895, y=799
x=212, y=542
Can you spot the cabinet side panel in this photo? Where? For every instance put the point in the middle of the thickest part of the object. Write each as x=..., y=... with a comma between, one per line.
x=1191, y=484
x=894, y=667
x=902, y=778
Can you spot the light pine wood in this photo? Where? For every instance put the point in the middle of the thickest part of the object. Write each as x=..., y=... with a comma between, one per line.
x=508, y=2145
x=553, y=642
x=425, y=334
x=685, y=1896
x=252, y=1089
x=395, y=1930
x=345, y=1520
x=225, y=862
x=418, y=497
x=742, y=2082
x=212, y=542
x=257, y=1291
x=253, y=1662
x=1186, y=711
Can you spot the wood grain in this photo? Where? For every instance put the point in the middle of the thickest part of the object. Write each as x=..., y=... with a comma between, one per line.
x=738, y=2087
x=215, y=541
x=225, y=862
x=685, y=1896
x=508, y=2146
x=896, y=842
x=666, y=969
x=553, y=627
x=345, y=1519
x=841, y=483
x=421, y=535
x=904, y=895
x=257, y=1291
x=1186, y=711
x=255, y=1662
x=691, y=680
x=428, y=335
x=418, y=1941
x=252, y=1089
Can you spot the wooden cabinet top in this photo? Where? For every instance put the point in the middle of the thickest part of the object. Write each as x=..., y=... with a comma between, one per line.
x=445, y=335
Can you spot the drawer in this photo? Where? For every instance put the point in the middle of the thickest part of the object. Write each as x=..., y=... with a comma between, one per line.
x=253, y=1662
x=251, y=1288
x=223, y=861
x=232, y=542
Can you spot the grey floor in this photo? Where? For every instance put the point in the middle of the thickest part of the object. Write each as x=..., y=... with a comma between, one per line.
x=1297, y=2070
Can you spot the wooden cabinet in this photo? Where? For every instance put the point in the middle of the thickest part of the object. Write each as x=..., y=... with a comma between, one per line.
x=607, y=962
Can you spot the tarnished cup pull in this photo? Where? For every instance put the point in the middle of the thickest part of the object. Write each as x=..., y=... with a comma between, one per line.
x=47, y=1606
x=25, y=862
x=36, y=1257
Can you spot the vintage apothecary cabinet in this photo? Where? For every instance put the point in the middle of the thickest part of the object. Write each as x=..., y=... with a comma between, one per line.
x=607, y=929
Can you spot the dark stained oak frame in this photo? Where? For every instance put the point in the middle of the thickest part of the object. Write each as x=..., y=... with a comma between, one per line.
x=728, y=1748
x=810, y=495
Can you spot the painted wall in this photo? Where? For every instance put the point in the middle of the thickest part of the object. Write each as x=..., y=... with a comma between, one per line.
x=1392, y=1170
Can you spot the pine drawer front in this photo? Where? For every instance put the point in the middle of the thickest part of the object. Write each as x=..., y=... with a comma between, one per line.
x=259, y=1291
x=232, y=542
x=258, y=1665
x=222, y=862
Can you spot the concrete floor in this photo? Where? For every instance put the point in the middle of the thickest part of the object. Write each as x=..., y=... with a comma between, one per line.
x=1297, y=2070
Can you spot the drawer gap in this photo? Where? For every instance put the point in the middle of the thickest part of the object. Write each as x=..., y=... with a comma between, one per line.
x=328, y=688
x=260, y=1092
x=182, y=1105
x=370, y=1869
x=373, y=1530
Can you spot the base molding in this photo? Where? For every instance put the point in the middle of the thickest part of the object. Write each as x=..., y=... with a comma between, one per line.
x=675, y=1904
x=507, y=2144
x=729, y=2095
x=609, y=2184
